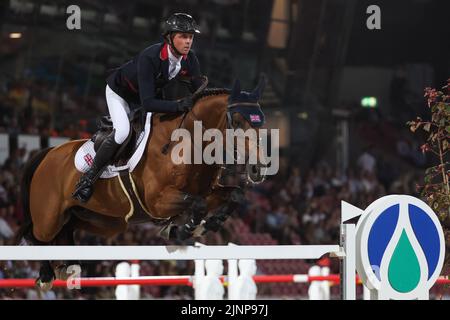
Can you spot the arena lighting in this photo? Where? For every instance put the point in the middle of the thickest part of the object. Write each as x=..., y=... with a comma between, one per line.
x=302, y=115
x=369, y=102
x=15, y=35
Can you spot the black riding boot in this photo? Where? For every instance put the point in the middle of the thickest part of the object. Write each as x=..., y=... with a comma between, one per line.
x=85, y=186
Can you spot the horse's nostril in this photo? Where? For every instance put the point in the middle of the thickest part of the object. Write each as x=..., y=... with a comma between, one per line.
x=255, y=169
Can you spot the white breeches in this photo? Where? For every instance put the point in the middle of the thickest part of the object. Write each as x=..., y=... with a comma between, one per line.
x=118, y=110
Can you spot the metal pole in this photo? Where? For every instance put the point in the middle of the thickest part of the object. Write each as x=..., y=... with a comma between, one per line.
x=348, y=264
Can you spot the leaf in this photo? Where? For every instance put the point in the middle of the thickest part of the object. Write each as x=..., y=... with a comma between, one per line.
x=444, y=145
x=426, y=127
x=434, y=136
x=447, y=129
x=415, y=126
x=434, y=117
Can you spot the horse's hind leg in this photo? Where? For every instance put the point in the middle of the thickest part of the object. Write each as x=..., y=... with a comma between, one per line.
x=51, y=271
x=66, y=237
x=46, y=275
x=47, y=272
x=47, y=235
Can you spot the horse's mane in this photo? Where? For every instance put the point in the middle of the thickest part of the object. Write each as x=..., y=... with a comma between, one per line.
x=210, y=92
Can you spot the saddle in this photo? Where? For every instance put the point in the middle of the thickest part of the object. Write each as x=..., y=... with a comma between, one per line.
x=105, y=127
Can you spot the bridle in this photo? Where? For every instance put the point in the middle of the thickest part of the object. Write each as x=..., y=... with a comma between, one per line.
x=233, y=169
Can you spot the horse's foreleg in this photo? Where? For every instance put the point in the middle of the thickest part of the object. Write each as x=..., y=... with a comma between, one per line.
x=175, y=204
x=198, y=211
x=230, y=201
x=222, y=203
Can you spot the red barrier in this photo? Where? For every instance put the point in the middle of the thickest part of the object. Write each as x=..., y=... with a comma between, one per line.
x=175, y=281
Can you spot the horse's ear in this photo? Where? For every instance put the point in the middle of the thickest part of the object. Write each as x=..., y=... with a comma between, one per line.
x=236, y=89
x=258, y=91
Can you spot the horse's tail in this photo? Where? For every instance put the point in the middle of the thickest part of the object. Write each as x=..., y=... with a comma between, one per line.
x=27, y=174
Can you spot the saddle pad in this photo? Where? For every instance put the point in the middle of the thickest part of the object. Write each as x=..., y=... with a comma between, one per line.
x=85, y=154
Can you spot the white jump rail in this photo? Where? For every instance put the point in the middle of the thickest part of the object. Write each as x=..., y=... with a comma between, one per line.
x=166, y=252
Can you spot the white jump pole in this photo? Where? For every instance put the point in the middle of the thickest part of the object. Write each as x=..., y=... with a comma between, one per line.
x=199, y=274
x=348, y=264
x=37, y=253
x=347, y=243
x=232, y=276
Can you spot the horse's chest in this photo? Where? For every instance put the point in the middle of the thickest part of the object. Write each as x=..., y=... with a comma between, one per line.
x=191, y=178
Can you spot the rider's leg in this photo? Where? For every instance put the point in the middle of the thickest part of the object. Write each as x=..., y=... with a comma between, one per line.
x=118, y=110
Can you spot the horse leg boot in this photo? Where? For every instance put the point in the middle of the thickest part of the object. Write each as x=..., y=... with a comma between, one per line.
x=215, y=222
x=85, y=186
x=198, y=212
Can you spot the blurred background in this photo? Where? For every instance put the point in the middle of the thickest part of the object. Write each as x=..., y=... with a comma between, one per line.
x=340, y=94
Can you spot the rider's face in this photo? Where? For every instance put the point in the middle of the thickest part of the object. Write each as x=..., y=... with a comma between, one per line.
x=183, y=42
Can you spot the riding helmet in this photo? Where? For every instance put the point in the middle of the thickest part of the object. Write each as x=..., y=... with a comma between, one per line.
x=180, y=22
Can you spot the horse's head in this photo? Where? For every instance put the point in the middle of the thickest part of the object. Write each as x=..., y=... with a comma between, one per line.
x=244, y=112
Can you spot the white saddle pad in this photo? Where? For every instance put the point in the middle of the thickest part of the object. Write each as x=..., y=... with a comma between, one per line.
x=85, y=154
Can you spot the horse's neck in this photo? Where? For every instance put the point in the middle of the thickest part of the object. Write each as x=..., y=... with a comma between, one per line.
x=212, y=112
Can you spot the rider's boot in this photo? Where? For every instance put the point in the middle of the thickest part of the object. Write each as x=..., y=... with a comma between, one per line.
x=85, y=186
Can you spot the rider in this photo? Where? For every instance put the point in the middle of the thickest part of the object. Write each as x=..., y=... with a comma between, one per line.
x=140, y=83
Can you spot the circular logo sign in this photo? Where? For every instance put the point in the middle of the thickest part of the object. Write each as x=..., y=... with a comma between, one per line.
x=400, y=247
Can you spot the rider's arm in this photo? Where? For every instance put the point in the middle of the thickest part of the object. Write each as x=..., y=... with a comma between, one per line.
x=146, y=79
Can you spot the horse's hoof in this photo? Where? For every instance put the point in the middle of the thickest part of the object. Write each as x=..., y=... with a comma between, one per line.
x=200, y=230
x=44, y=286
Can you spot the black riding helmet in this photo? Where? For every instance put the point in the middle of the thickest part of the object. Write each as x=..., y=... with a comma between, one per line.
x=179, y=22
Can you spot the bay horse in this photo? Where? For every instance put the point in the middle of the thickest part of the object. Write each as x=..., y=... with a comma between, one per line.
x=170, y=193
